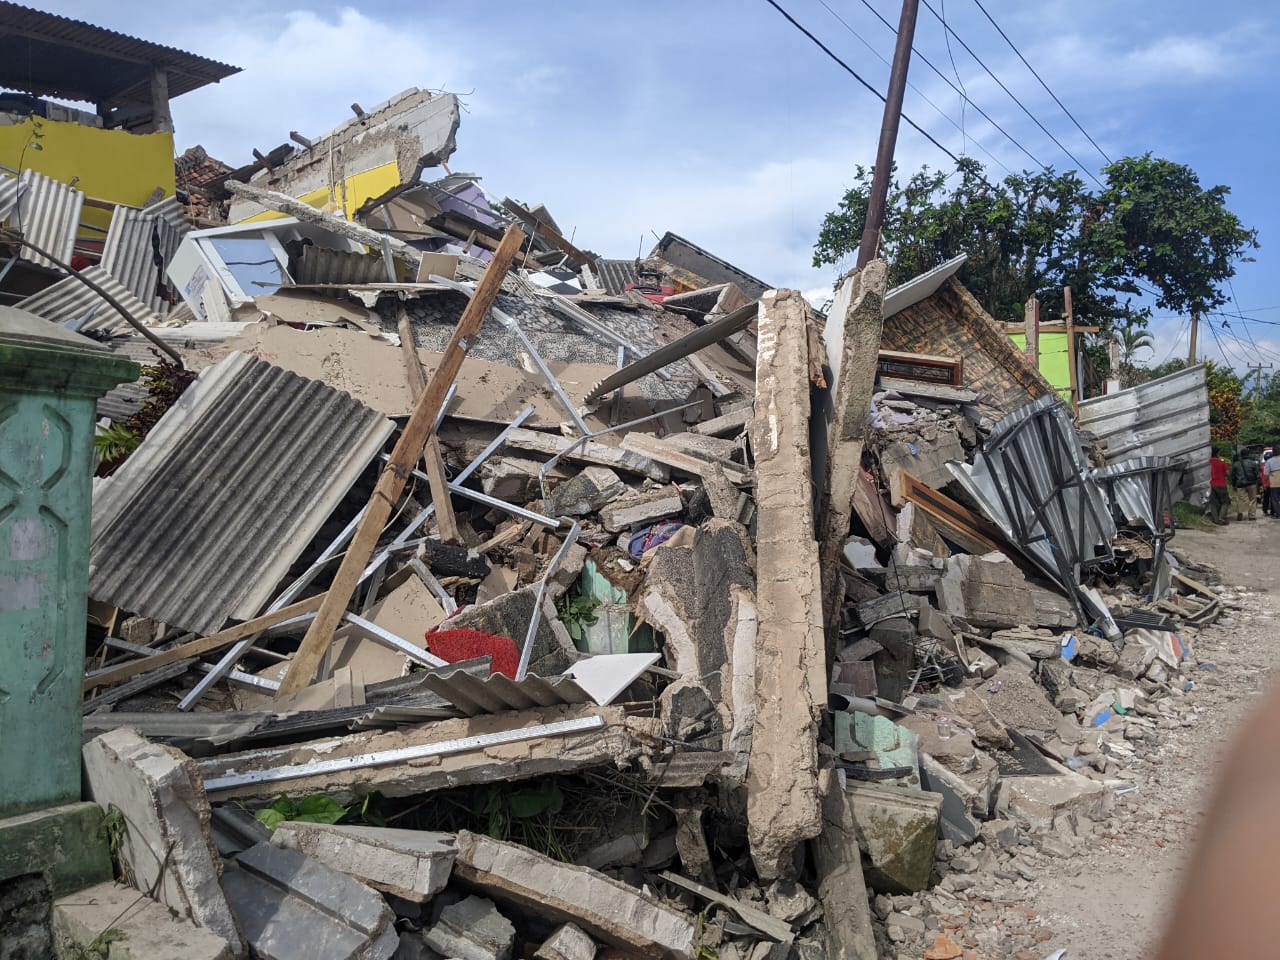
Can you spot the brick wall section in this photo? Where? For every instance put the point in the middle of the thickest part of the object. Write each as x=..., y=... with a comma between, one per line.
x=951, y=323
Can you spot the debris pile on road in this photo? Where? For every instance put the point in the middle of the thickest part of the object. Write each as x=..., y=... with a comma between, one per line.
x=484, y=596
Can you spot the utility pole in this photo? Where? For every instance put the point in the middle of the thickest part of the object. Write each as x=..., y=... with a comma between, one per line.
x=1257, y=369
x=888, y=133
x=1195, y=330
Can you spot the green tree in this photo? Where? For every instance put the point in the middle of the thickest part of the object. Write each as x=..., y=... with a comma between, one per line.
x=1032, y=234
x=1156, y=223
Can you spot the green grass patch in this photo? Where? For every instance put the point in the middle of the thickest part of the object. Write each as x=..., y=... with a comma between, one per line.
x=1189, y=517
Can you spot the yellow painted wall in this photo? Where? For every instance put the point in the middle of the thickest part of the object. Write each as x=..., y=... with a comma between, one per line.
x=359, y=186
x=112, y=165
x=1055, y=362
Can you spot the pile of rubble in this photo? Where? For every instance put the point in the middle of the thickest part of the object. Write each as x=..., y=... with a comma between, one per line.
x=483, y=596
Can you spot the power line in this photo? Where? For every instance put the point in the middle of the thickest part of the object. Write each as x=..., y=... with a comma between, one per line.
x=964, y=94
x=1041, y=79
x=1186, y=325
x=923, y=96
x=853, y=73
x=945, y=79
x=1012, y=96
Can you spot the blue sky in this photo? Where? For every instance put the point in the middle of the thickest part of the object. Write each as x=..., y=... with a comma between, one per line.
x=720, y=122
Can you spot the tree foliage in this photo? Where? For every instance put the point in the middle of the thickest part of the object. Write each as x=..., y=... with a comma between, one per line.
x=1032, y=234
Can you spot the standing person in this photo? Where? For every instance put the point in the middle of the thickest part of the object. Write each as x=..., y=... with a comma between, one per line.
x=1273, y=468
x=1264, y=490
x=1219, y=496
x=1244, y=477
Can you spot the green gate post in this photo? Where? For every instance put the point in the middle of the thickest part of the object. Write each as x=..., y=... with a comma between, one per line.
x=50, y=379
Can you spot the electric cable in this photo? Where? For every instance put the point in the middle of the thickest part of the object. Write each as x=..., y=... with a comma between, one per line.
x=1027, y=64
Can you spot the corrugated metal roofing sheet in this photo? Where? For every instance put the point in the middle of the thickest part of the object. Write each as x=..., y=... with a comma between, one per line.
x=495, y=693
x=69, y=301
x=616, y=274
x=1168, y=417
x=1032, y=480
x=207, y=515
x=322, y=265
x=136, y=240
x=49, y=55
x=8, y=195
x=123, y=400
x=48, y=214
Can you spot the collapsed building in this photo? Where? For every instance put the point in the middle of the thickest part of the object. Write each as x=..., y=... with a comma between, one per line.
x=458, y=591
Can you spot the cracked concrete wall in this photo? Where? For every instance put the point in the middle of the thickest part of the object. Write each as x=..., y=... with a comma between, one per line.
x=701, y=598
x=414, y=126
x=783, y=807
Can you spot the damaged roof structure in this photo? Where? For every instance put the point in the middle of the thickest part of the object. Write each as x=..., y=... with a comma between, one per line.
x=460, y=589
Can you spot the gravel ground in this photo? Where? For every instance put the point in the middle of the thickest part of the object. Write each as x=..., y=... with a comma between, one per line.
x=1100, y=890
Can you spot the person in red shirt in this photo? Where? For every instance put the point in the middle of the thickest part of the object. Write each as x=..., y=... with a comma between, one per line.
x=1219, y=496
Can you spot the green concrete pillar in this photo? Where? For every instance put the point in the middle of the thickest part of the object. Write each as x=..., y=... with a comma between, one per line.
x=50, y=379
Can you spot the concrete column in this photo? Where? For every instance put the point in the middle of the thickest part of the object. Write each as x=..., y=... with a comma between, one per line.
x=49, y=380
x=161, y=118
x=790, y=682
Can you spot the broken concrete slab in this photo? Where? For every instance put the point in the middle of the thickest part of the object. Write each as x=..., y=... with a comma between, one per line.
x=585, y=493
x=412, y=864
x=568, y=942
x=606, y=909
x=512, y=479
x=790, y=670
x=167, y=847
x=291, y=907
x=701, y=597
x=414, y=129
x=837, y=855
x=958, y=823
x=472, y=929
x=924, y=460
x=691, y=844
x=140, y=928
x=897, y=830
x=259, y=774
x=590, y=451
x=995, y=593
x=623, y=514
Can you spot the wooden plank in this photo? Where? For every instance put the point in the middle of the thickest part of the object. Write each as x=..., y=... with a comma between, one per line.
x=431, y=456
x=959, y=524
x=391, y=483
x=203, y=645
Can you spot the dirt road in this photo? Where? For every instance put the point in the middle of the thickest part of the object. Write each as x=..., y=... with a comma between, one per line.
x=1109, y=901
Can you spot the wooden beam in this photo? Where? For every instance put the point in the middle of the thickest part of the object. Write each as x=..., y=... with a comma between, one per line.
x=1071, y=347
x=957, y=523
x=431, y=457
x=1031, y=326
x=391, y=484
x=549, y=233
x=203, y=645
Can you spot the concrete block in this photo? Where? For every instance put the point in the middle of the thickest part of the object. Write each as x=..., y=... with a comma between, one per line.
x=65, y=845
x=606, y=909
x=1038, y=800
x=585, y=493
x=637, y=511
x=567, y=943
x=167, y=845
x=413, y=864
x=472, y=929
x=143, y=929
x=897, y=831
x=291, y=907
x=513, y=479
x=891, y=744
